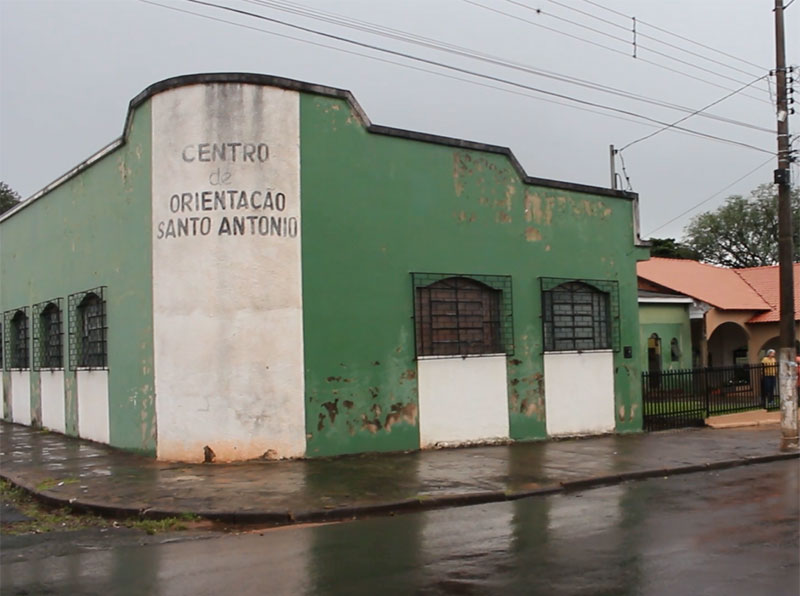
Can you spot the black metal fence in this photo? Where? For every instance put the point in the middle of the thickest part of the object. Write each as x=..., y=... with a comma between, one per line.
x=678, y=398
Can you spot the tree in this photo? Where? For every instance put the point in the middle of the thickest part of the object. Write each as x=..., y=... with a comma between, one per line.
x=743, y=232
x=668, y=248
x=8, y=197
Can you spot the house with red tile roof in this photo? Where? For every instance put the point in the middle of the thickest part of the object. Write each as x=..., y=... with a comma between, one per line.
x=733, y=314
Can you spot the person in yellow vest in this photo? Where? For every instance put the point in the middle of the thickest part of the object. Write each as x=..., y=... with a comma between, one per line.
x=770, y=372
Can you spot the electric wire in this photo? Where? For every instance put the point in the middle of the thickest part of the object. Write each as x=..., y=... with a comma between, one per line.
x=396, y=34
x=668, y=32
x=749, y=73
x=712, y=104
x=408, y=66
x=469, y=72
x=617, y=51
x=625, y=41
x=707, y=199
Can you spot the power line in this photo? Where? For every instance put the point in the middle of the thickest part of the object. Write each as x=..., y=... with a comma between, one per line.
x=625, y=41
x=668, y=32
x=396, y=34
x=712, y=104
x=644, y=35
x=400, y=64
x=706, y=200
x=408, y=66
x=610, y=49
x=469, y=72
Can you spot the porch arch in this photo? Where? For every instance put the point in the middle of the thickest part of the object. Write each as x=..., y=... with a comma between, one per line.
x=726, y=343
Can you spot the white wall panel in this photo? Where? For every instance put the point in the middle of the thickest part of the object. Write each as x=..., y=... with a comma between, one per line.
x=462, y=399
x=579, y=392
x=21, y=396
x=52, y=389
x=92, y=392
x=227, y=295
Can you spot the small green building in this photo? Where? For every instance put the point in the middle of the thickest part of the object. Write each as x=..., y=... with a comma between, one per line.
x=255, y=270
x=666, y=333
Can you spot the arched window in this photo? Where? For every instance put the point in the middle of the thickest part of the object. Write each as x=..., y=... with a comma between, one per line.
x=20, y=356
x=654, y=353
x=458, y=316
x=576, y=317
x=674, y=350
x=50, y=339
x=91, y=327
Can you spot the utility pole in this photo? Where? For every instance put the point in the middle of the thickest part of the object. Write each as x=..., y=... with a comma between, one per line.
x=612, y=154
x=787, y=364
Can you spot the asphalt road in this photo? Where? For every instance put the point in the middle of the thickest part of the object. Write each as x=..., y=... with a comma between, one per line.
x=733, y=532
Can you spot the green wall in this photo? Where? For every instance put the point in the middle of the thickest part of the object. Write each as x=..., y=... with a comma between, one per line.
x=668, y=321
x=376, y=208
x=94, y=230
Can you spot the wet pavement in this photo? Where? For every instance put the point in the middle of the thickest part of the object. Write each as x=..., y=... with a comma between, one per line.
x=731, y=532
x=94, y=477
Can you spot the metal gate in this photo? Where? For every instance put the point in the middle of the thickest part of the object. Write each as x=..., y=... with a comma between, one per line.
x=679, y=398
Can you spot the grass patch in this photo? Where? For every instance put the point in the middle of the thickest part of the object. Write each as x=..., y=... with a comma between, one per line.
x=50, y=483
x=44, y=518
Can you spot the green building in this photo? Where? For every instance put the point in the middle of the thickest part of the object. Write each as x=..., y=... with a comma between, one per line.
x=665, y=331
x=255, y=270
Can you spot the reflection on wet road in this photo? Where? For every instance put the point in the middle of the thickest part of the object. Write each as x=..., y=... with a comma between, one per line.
x=730, y=532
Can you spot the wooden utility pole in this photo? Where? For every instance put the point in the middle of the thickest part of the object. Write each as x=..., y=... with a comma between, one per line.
x=787, y=366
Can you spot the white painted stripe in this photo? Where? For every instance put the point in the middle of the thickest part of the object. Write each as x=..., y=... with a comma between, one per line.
x=462, y=399
x=579, y=392
x=52, y=390
x=21, y=396
x=92, y=392
x=227, y=300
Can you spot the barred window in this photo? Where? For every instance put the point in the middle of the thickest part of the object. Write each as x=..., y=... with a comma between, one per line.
x=458, y=316
x=576, y=317
x=51, y=331
x=19, y=340
x=91, y=325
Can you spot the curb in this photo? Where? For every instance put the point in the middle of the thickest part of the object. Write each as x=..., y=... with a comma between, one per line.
x=421, y=503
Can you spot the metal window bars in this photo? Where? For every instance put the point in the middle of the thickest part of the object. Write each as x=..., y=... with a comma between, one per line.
x=47, y=327
x=16, y=326
x=462, y=314
x=579, y=314
x=88, y=331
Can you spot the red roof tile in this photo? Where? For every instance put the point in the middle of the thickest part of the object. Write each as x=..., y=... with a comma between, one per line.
x=717, y=286
x=765, y=281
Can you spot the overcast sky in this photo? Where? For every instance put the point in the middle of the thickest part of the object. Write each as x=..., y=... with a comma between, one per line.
x=69, y=68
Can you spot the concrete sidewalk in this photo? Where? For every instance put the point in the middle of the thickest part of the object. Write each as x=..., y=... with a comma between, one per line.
x=93, y=477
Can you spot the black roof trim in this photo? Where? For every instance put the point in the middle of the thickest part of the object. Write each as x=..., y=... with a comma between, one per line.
x=295, y=85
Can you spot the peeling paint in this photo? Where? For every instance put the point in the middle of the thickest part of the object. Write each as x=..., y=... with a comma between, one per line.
x=401, y=413
x=333, y=409
x=532, y=234
x=503, y=217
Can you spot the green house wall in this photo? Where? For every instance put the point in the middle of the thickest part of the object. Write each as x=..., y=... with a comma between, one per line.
x=668, y=321
x=94, y=230
x=376, y=208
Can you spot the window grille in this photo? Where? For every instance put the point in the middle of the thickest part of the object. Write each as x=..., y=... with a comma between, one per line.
x=48, y=334
x=87, y=329
x=16, y=338
x=580, y=314
x=462, y=315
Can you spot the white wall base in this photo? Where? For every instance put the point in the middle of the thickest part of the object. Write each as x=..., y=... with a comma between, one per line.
x=92, y=391
x=52, y=390
x=579, y=392
x=462, y=399
x=21, y=396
